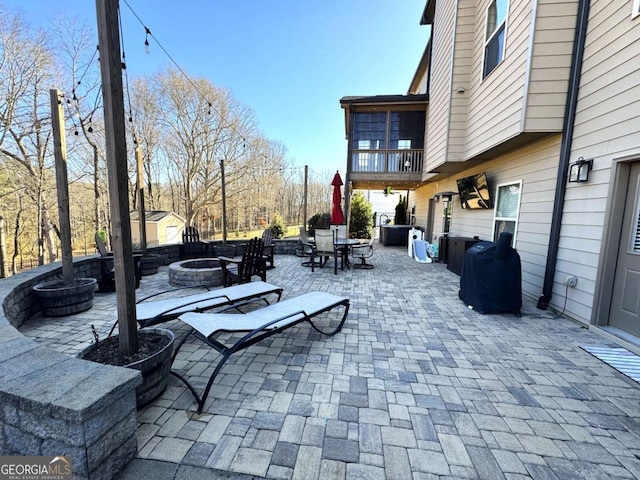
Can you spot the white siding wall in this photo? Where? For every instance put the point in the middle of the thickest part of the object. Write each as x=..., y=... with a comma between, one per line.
x=495, y=102
x=536, y=165
x=440, y=88
x=607, y=128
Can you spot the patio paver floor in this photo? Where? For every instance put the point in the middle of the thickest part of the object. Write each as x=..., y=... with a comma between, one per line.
x=416, y=386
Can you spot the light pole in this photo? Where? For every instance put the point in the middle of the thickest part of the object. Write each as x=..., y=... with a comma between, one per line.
x=224, y=204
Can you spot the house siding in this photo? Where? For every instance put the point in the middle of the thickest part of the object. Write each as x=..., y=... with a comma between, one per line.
x=536, y=165
x=440, y=88
x=550, y=65
x=461, y=77
x=606, y=129
x=495, y=102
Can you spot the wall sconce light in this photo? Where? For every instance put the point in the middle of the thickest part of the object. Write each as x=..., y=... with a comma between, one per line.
x=579, y=171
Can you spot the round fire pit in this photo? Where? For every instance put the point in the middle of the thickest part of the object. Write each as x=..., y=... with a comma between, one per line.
x=202, y=271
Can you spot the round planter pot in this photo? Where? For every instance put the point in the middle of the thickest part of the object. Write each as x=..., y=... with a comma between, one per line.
x=149, y=264
x=58, y=299
x=154, y=368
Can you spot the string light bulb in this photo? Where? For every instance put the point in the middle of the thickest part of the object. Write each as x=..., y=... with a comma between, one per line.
x=147, y=32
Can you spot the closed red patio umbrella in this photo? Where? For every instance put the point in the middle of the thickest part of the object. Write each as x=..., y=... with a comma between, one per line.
x=337, y=217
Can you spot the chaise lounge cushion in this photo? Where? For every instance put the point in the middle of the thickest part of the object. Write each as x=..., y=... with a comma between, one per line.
x=289, y=311
x=158, y=311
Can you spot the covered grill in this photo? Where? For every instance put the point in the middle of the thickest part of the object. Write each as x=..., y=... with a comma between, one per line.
x=491, y=279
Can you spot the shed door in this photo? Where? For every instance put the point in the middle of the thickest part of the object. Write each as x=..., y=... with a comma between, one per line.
x=172, y=234
x=625, y=305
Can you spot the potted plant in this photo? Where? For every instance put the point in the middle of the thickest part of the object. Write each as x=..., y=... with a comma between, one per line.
x=68, y=295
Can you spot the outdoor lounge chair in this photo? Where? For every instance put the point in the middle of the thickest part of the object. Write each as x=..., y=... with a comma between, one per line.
x=260, y=324
x=153, y=312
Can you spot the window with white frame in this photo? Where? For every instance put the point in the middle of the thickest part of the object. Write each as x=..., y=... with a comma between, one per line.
x=494, y=35
x=505, y=216
x=636, y=9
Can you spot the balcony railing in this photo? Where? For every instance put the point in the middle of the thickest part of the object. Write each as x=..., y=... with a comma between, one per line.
x=402, y=161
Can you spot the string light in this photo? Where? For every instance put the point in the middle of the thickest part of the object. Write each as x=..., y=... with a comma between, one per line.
x=147, y=50
x=148, y=34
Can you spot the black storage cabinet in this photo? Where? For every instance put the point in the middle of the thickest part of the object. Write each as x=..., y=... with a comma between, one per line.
x=491, y=279
x=456, y=251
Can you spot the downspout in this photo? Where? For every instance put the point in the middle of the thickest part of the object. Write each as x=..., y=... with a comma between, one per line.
x=565, y=152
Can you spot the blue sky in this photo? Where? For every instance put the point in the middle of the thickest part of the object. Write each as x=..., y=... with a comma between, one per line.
x=290, y=61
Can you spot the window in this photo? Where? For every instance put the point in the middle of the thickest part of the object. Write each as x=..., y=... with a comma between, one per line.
x=636, y=9
x=494, y=35
x=505, y=217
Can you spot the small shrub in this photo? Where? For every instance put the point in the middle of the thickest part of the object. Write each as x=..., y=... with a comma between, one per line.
x=277, y=226
x=401, y=211
x=319, y=220
x=361, y=220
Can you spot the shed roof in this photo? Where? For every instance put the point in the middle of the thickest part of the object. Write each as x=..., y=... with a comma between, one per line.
x=152, y=215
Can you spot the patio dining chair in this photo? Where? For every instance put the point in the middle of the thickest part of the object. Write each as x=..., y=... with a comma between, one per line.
x=362, y=252
x=324, y=248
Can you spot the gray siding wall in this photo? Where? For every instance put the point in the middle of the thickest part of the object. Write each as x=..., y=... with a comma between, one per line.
x=607, y=128
x=461, y=79
x=440, y=89
x=552, y=48
x=536, y=165
x=496, y=102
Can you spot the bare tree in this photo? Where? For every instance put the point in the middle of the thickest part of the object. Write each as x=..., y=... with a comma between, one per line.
x=26, y=72
x=77, y=52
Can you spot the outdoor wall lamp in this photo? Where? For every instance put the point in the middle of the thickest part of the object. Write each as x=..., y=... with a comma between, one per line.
x=579, y=171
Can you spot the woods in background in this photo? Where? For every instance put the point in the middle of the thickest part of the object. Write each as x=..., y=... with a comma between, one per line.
x=183, y=126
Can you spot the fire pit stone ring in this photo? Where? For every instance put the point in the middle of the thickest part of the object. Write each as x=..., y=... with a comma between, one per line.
x=199, y=271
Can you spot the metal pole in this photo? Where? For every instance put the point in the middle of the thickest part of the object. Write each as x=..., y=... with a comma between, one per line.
x=306, y=192
x=142, y=218
x=224, y=205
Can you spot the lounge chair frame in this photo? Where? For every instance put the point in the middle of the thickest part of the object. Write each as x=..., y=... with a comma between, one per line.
x=202, y=302
x=255, y=335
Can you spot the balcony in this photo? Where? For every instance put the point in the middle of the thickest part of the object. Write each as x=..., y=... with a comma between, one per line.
x=400, y=168
x=385, y=135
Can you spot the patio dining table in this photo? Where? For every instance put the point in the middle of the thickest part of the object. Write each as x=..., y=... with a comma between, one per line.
x=343, y=246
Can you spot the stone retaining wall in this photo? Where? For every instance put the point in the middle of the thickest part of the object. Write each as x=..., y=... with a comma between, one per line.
x=53, y=404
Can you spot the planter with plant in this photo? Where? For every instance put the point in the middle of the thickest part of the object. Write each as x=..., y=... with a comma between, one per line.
x=153, y=359
x=133, y=348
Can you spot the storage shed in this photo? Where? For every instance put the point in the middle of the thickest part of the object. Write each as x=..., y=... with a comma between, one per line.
x=162, y=227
